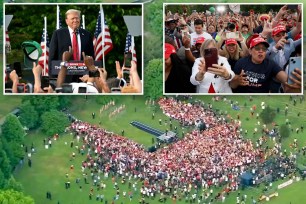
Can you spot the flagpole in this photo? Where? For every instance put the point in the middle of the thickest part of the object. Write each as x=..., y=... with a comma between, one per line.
x=57, y=17
x=83, y=21
x=45, y=48
x=133, y=47
x=102, y=28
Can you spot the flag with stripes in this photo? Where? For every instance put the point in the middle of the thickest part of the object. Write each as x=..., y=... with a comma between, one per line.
x=99, y=39
x=7, y=43
x=43, y=60
x=7, y=39
x=58, y=18
x=130, y=46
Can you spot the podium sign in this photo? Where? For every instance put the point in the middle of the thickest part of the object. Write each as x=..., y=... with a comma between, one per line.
x=73, y=67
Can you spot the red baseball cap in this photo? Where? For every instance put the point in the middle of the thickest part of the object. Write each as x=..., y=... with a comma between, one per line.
x=169, y=49
x=200, y=40
x=250, y=38
x=264, y=17
x=230, y=41
x=278, y=29
x=257, y=41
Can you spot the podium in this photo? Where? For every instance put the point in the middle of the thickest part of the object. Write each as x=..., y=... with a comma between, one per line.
x=73, y=67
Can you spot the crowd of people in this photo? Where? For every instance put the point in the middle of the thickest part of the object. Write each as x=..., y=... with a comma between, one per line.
x=190, y=168
x=187, y=169
x=74, y=43
x=117, y=110
x=233, y=52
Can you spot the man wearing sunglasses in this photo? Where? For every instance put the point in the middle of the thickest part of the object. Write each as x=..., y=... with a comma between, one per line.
x=254, y=73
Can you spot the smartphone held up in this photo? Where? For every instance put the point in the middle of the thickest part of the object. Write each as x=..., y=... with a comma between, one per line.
x=211, y=57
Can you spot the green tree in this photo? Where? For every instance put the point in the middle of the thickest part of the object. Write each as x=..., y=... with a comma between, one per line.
x=284, y=131
x=65, y=101
x=267, y=115
x=2, y=180
x=5, y=165
x=13, y=137
x=54, y=122
x=154, y=31
x=43, y=104
x=12, y=129
x=14, y=152
x=154, y=80
x=13, y=184
x=11, y=196
x=28, y=115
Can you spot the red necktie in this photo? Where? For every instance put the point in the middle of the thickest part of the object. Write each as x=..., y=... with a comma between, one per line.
x=75, y=46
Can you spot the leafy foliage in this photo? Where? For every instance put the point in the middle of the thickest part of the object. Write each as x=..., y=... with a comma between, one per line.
x=28, y=116
x=11, y=151
x=12, y=129
x=267, y=115
x=65, y=101
x=5, y=166
x=154, y=72
x=43, y=104
x=284, y=131
x=154, y=28
x=13, y=184
x=11, y=196
x=54, y=122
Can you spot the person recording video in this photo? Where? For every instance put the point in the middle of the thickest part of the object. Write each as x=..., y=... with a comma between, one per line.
x=79, y=39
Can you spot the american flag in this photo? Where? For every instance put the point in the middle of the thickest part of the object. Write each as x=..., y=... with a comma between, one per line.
x=7, y=38
x=130, y=46
x=108, y=44
x=43, y=60
x=7, y=43
x=58, y=18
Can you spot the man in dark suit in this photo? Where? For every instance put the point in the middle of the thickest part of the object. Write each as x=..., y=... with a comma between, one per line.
x=63, y=38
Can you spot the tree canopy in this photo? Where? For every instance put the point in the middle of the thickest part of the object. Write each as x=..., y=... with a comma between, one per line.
x=284, y=131
x=267, y=115
x=11, y=196
x=154, y=73
x=54, y=122
x=28, y=116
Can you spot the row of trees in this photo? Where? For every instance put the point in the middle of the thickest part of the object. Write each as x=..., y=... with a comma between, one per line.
x=11, y=153
x=35, y=112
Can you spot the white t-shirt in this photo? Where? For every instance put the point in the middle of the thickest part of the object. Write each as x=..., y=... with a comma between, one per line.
x=89, y=88
x=219, y=84
x=194, y=36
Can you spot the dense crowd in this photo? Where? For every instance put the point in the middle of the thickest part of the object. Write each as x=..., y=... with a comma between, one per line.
x=191, y=168
x=233, y=50
x=214, y=157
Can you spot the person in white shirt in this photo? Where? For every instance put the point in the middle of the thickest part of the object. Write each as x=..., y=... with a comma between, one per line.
x=211, y=79
x=198, y=27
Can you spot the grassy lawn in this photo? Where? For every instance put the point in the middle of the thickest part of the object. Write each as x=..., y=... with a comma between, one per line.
x=51, y=165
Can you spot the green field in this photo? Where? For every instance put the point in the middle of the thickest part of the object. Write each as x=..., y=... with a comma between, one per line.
x=51, y=165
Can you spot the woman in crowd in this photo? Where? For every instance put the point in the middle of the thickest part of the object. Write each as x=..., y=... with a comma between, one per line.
x=212, y=79
x=176, y=73
x=233, y=50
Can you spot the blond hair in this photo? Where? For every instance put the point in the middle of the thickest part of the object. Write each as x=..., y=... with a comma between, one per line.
x=70, y=11
x=205, y=45
x=236, y=54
